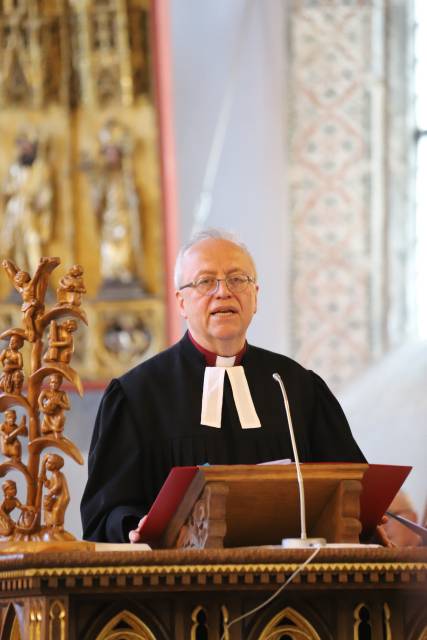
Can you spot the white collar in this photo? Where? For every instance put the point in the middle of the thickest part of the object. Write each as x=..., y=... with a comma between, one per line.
x=213, y=388
x=225, y=361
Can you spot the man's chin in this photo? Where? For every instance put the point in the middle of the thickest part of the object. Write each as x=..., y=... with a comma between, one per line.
x=220, y=339
x=225, y=332
x=229, y=339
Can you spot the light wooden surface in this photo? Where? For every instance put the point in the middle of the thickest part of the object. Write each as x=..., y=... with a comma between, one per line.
x=261, y=503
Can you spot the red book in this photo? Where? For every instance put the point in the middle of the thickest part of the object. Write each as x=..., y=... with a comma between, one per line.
x=167, y=502
x=381, y=482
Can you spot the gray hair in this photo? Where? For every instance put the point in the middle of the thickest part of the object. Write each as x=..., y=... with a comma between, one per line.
x=206, y=234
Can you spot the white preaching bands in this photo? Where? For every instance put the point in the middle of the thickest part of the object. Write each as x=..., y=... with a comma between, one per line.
x=213, y=388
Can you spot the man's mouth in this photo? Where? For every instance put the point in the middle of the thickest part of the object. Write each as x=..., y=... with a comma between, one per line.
x=225, y=311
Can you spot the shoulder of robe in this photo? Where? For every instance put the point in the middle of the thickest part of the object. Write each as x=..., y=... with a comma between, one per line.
x=273, y=360
x=160, y=364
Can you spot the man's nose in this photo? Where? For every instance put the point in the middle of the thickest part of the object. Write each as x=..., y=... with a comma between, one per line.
x=223, y=290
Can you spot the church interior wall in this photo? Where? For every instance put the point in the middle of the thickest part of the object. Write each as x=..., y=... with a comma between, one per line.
x=249, y=195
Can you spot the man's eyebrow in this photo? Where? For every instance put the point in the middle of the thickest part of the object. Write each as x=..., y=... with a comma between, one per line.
x=204, y=272
x=213, y=272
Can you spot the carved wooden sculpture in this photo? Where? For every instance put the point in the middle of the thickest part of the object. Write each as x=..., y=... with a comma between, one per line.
x=71, y=287
x=11, y=359
x=42, y=409
x=61, y=343
x=10, y=444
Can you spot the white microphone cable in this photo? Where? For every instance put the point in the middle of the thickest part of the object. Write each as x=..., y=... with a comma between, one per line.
x=302, y=566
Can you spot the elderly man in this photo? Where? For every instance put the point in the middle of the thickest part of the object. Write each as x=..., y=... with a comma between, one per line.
x=210, y=398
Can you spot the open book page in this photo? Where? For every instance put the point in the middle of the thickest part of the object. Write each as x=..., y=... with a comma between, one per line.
x=122, y=546
x=283, y=461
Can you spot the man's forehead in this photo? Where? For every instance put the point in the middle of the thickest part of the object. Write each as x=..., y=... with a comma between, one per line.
x=216, y=254
x=216, y=250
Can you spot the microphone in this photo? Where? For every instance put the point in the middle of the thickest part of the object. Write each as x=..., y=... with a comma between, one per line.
x=302, y=542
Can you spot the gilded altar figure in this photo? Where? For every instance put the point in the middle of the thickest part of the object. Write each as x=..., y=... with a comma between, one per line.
x=57, y=497
x=116, y=204
x=11, y=360
x=53, y=402
x=61, y=343
x=32, y=290
x=9, y=432
x=27, y=203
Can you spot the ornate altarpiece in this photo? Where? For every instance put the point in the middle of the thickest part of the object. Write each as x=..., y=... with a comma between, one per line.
x=79, y=169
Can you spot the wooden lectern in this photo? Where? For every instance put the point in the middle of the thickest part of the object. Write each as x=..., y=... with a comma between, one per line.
x=252, y=505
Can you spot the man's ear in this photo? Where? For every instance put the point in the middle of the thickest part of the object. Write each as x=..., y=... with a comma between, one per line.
x=181, y=304
x=256, y=299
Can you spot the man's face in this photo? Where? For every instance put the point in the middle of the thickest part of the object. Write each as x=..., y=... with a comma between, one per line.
x=218, y=322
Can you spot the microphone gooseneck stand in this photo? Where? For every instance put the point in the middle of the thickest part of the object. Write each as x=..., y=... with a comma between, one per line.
x=302, y=542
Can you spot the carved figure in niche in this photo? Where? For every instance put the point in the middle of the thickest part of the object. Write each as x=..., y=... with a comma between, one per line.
x=116, y=204
x=32, y=290
x=61, y=343
x=28, y=203
x=9, y=432
x=53, y=402
x=11, y=360
x=56, y=500
x=195, y=531
x=71, y=287
x=11, y=502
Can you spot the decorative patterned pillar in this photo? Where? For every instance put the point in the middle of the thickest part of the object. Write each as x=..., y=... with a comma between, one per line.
x=340, y=183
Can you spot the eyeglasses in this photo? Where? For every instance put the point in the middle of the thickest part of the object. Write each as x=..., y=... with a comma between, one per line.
x=208, y=285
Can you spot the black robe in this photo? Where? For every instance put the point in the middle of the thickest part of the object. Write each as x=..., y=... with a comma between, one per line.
x=149, y=421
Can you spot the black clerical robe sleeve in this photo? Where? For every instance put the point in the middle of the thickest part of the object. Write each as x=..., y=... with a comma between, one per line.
x=331, y=437
x=113, y=501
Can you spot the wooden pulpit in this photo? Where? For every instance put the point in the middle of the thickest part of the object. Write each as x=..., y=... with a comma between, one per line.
x=194, y=591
